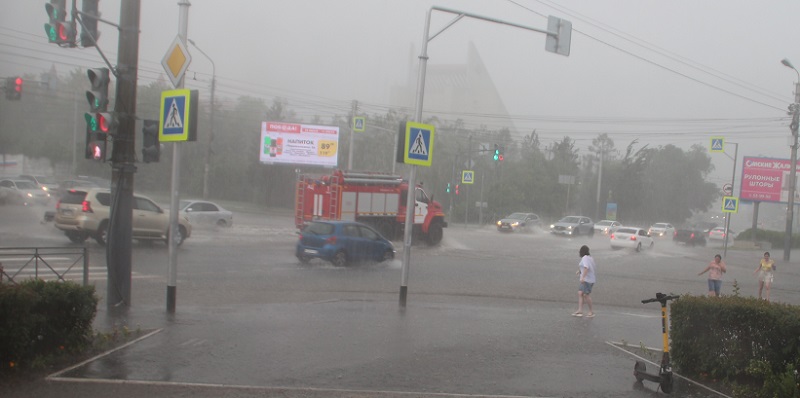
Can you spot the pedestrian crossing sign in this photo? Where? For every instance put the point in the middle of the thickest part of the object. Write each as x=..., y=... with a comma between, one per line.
x=359, y=124
x=467, y=176
x=717, y=144
x=416, y=144
x=178, y=116
x=730, y=204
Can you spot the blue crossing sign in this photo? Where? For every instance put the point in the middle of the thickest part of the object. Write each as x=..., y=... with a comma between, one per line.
x=467, y=176
x=717, y=144
x=415, y=144
x=178, y=120
x=730, y=204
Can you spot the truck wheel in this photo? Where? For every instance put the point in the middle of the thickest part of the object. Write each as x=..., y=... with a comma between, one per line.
x=435, y=234
x=339, y=259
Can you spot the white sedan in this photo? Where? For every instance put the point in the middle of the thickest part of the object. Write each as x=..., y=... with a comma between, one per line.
x=719, y=234
x=202, y=212
x=631, y=238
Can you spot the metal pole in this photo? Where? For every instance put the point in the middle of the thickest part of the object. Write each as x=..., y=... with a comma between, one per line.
x=352, y=133
x=599, y=181
x=480, y=209
x=787, y=242
x=728, y=215
x=466, y=191
x=118, y=250
x=183, y=27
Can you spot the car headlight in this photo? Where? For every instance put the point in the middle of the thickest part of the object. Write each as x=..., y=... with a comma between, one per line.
x=552, y=226
x=515, y=224
x=570, y=227
x=499, y=223
x=30, y=195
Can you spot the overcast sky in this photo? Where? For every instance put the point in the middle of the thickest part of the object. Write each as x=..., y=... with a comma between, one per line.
x=661, y=71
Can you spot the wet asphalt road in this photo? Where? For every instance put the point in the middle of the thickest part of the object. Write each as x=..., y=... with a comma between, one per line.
x=487, y=315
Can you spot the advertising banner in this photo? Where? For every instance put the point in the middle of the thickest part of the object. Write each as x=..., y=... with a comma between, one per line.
x=291, y=143
x=765, y=180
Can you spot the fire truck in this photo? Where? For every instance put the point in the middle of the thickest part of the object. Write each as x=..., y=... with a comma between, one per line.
x=375, y=199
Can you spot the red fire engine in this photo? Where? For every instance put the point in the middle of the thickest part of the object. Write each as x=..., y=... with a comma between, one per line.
x=375, y=199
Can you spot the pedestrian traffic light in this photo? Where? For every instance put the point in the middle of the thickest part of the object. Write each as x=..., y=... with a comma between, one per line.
x=456, y=189
x=500, y=154
x=101, y=122
x=95, y=145
x=89, y=17
x=448, y=187
x=98, y=95
x=496, y=156
x=59, y=30
x=14, y=88
x=151, y=147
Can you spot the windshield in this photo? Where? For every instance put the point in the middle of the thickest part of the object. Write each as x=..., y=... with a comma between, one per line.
x=570, y=220
x=184, y=204
x=26, y=185
x=604, y=223
x=517, y=216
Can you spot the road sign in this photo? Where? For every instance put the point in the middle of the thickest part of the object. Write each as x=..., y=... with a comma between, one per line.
x=730, y=204
x=727, y=189
x=359, y=124
x=178, y=120
x=176, y=61
x=467, y=176
x=717, y=144
x=417, y=144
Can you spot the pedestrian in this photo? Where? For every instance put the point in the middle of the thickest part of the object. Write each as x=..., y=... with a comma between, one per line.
x=586, y=270
x=766, y=272
x=715, y=270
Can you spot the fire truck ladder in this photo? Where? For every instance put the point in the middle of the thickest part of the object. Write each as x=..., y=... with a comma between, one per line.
x=334, y=189
x=299, y=198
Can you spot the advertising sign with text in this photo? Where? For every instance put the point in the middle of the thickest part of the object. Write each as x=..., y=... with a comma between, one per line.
x=291, y=143
x=765, y=180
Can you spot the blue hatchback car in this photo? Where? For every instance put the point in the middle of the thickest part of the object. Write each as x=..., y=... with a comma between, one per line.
x=342, y=243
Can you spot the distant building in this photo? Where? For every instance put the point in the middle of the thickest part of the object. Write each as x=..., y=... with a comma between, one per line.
x=457, y=91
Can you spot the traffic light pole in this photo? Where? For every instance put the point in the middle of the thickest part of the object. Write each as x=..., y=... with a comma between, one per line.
x=118, y=255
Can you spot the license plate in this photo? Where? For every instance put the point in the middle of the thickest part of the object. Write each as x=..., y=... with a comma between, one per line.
x=310, y=251
x=66, y=212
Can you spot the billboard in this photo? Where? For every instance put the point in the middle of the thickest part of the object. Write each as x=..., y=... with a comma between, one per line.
x=766, y=180
x=291, y=143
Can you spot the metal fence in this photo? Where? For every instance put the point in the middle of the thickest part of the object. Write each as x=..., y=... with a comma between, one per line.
x=48, y=263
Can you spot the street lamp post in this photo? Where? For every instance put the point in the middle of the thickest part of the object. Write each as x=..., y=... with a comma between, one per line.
x=794, y=110
x=211, y=121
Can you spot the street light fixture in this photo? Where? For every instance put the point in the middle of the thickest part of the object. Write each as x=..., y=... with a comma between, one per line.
x=211, y=130
x=794, y=110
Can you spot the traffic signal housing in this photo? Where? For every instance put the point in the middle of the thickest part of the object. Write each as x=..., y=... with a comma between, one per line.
x=496, y=155
x=14, y=88
x=58, y=29
x=98, y=94
x=448, y=187
x=89, y=16
x=151, y=147
x=101, y=122
x=96, y=144
x=457, y=189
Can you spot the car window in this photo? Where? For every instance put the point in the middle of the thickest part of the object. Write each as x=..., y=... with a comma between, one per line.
x=26, y=185
x=570, y=220
x=421, y=197
x=73, y=197
x=144, y=204
x=319, y=228
x=351, y=230
x=627, y=231
x=104, y=198
x=641, y=233
x=6, y=183
x=209, y=207
x=368, y=233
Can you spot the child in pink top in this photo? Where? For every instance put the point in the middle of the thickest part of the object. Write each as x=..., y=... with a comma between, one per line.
x=715, y=270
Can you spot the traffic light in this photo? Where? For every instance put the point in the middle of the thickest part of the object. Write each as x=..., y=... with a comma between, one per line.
x=496, y=156
x=101, y=122
x=456, y=189
x=448, y=187
x=98, y=95
x=59, y=30
x=89, y=16
x=95, y=145
x=14, y=88
x=500, y=154
x=151, y=147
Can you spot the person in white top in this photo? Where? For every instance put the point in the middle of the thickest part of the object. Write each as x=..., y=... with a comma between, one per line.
x=586, y=270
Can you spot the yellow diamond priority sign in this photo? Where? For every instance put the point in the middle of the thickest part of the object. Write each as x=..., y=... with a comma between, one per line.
x=176, y=61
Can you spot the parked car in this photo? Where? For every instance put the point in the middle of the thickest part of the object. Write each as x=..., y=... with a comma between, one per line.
x=342, y=243
x=22, y=192
x=689, y=236
x=523, y=222
x=719, y=234
x=661, y=230
x=631, y=238
x=606, y=227
x=84, y=213
x=204, y=212
x=573, y=226
x=49, y=184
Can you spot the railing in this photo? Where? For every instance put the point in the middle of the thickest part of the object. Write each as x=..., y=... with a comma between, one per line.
x=43, y=263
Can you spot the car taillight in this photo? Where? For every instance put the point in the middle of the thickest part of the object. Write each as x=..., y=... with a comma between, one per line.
x=58, y=204
x=612, y=236
x=331, y=240
x=691, y=236
x=633, y=237
x=86, y=207
x=674, y=234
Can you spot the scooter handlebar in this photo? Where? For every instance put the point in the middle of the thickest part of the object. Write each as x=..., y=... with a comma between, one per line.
x=660, y=297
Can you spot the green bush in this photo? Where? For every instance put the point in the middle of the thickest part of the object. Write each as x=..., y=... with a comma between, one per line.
x=749, y=342
x=773, y=237
x=44, y=319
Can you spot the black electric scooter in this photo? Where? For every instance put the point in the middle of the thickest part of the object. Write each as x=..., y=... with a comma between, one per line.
x=664, y=376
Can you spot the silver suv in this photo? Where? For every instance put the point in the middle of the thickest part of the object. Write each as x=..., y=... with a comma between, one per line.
x=84, y=213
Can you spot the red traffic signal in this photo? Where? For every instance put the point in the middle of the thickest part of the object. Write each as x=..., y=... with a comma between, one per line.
x=14, y=88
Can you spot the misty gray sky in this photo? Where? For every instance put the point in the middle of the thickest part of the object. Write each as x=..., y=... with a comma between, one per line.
x=664, y=72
